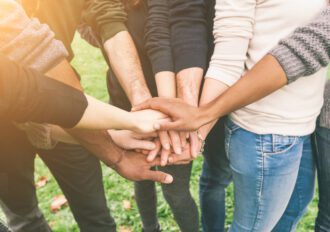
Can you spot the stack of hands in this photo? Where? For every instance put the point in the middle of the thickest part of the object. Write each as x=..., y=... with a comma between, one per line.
x=155, y=136
x=161, y=131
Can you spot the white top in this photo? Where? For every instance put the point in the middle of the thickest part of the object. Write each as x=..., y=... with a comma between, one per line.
x=244, y=31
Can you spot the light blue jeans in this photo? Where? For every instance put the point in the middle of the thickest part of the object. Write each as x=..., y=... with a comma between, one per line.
x=265, y=170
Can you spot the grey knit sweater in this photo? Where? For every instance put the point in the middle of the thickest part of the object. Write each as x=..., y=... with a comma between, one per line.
x=305, y=52
x=26, y=40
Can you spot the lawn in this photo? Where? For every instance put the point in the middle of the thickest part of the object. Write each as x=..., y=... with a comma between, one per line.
x=119, y=192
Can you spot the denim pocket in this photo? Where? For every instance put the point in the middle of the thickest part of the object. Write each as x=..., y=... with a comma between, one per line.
x=274, y=144
x=230, y=126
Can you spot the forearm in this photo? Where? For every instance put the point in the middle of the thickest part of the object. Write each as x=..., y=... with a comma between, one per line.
x=126, y=65
x=189, y=84
x=166, y=86
x=98, y=142
x=99, y=115
x=263, y=79
x=212, y=89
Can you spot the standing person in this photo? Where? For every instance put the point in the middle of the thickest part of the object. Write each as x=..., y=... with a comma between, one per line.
x=68, y=163
x=301, y=54
x=76, y=170
x=177, y=74
x=269, y=140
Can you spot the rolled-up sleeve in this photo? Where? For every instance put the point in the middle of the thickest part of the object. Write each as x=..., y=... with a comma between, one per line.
x=158, y=37
x=189, y=35
x=26, y=40
x=233, y=29
x=26, y=95
x=105, y=17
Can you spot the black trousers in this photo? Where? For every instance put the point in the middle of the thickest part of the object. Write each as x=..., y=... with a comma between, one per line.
x=77, y=172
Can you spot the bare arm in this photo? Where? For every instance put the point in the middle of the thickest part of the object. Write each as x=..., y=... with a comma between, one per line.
x=126, y=65
x=264, y=78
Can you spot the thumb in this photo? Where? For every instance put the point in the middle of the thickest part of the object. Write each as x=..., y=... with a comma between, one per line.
x=158, y=176
x=142, y=106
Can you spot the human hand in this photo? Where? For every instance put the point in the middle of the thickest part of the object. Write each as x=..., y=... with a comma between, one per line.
x=134, y=166
x=144, y=120
x=184, y=116
x=130, y=140
x=190, y=151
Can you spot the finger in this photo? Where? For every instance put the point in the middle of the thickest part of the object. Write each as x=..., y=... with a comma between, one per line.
x=158, y=176
x=176, y=142
x=174, y=159
x=167, y=126
x=181, y=162
x=183, y=138
x=164, y=157
x=142, y=106
x=143, y=145
x=164, y=140
x=145, y=136
x=152, y=154
x=194, y=144
x=145, y=152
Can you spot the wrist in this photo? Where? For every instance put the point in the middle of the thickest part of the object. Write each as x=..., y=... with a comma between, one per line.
x=166, y=86
x=205, y=115
x=114, y=164
x=140, y=93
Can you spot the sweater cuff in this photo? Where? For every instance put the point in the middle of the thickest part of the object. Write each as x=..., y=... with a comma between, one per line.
x=162, y=63
x=292, y=66
x=110, y=30
x=219, y=75
x=190, y=60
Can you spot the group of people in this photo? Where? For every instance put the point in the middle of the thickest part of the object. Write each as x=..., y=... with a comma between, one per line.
x=243, y=82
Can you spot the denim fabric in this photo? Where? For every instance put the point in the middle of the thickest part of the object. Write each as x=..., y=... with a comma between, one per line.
x=322, y=136
x=302, y=194
x=216, y=176
x=265, y=170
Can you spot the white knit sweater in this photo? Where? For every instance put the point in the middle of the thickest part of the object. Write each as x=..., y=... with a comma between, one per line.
x=244, y=31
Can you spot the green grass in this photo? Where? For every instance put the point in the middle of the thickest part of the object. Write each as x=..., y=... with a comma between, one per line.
x=90, y=64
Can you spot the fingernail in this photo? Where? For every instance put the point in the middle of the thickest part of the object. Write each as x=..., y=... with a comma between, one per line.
x=178, y=151
x=170, y=160
x=151, y=147
x=168, y=179
x=167, y=146
x=156, y=126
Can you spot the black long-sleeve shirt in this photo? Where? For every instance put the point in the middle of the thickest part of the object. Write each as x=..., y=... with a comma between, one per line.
x=28, y=96
x=177, y=34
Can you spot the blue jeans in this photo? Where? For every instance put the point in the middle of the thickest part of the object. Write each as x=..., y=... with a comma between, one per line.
x=216, y=176
x=265, y=170
x=302, y=194
x=322, y=136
